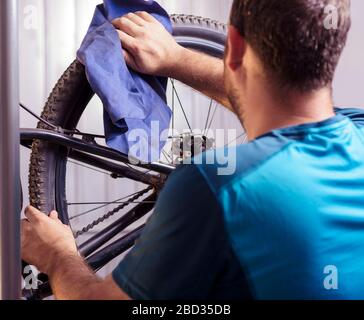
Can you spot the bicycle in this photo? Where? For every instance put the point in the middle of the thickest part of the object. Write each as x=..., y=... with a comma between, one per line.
x=57, y=141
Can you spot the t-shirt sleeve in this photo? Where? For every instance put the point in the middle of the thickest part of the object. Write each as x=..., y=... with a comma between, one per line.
x=355, y=114
x=182, y=247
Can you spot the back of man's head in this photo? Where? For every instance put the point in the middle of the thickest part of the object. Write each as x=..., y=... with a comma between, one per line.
x=298, y=41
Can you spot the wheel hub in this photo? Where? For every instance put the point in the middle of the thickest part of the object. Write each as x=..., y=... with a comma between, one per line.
x=189, y=145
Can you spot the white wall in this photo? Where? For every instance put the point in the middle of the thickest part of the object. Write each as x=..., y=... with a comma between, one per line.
x=348, y=86
x=47, y=48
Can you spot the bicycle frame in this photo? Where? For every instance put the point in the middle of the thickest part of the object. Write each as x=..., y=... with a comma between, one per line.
x=28, y=135
x=86, y=150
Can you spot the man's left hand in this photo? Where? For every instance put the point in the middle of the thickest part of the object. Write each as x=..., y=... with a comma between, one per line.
x=45, y=240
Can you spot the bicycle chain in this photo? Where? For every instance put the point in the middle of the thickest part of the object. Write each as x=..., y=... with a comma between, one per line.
x=112, y=213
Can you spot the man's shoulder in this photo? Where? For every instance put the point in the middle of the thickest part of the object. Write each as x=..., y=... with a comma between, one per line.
x=356, y=115
x=222, y=166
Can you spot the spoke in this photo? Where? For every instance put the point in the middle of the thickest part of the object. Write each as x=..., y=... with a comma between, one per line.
x=213, y=117
x=236, y=139
x=106, y=173
x=173, y=110
x=107, y=203
x=114, y=211
x=103, y=206
x=208, y=115
x=164, y=154
x=167, y=156
x=173, y=118
x=180, y=103
x=88, y=167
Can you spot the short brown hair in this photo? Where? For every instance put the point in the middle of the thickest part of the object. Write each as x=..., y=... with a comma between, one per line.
x=291, y=38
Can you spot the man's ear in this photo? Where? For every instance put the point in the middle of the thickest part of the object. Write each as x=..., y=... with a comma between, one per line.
x=236, y=47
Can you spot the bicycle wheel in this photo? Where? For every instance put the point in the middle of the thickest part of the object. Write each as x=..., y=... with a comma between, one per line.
x=66, y=105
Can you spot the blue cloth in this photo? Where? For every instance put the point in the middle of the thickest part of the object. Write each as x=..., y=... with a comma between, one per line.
x=293, y=213
x=132, y=102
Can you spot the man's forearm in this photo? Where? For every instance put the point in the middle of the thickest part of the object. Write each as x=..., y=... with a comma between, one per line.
x=201, y=72
x=72, y=279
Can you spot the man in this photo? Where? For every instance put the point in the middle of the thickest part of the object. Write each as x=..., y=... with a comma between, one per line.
x=289, y=224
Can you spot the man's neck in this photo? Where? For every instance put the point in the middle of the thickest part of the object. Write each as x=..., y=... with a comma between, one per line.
x=268, y=113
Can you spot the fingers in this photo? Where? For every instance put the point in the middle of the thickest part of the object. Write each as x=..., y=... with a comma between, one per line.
x=127, y=26
x=146, y=16
x=25, y=227
x=128, y=42
x=132, y=23
x=136, y=19
x=129, y=59
x=127, y=56
x=54, y=215
x=32, y=214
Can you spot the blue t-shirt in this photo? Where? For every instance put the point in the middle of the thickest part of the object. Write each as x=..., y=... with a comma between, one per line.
x=287, y=224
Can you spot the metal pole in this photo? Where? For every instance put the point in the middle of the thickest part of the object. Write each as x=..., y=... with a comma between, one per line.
x=10, y=266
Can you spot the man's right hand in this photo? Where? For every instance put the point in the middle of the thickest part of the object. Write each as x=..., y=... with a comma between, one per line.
x=150, y=49
x=147, y=46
